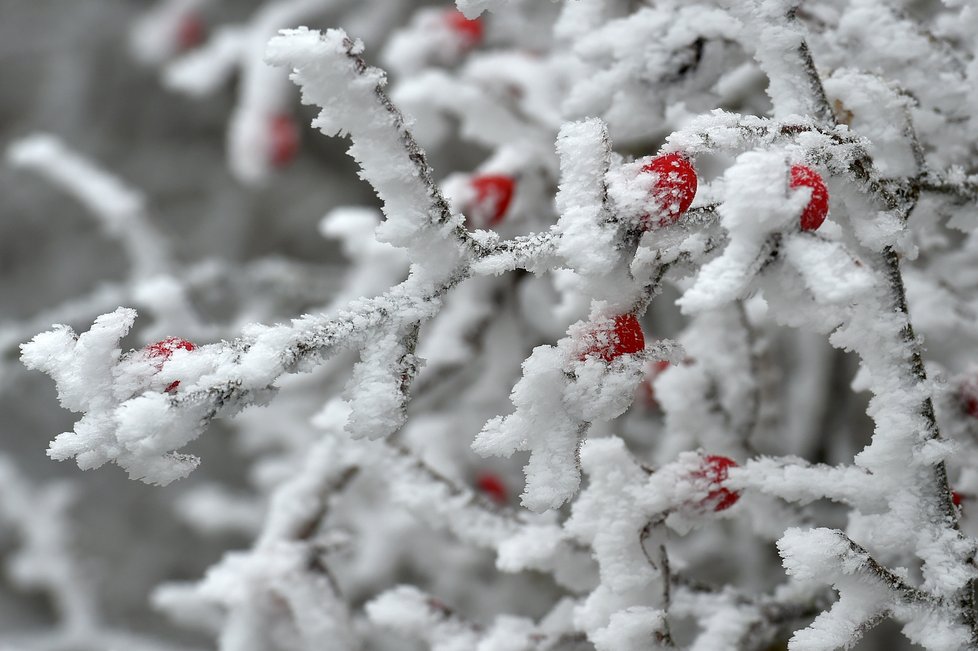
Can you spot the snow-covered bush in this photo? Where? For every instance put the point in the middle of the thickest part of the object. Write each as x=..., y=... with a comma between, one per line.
x=598, y=383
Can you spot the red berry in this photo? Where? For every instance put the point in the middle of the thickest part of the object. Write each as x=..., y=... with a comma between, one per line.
x=623, y=338
x=469, y=31
x=190, y=31
x=674, y=188
x=715, y=468
x=164, y=349
x=818, y=206
x=492, y=486
x=283, y=139
x=957, y=498
x=968, y=397
x=493, y=194
x=168, y=346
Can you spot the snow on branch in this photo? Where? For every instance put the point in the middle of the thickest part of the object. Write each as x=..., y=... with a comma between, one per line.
x=511, y=308
x=331, y=73
x=867, y=590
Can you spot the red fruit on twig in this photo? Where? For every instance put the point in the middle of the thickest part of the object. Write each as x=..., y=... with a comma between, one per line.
x=163, y=350
x=492, y=487
x=968, y=397
x=715, y=469
x=674, y=188
x=623, y=338
x=190, y=32
x=283, y=141
x=168, y=346
x=470, y=32
x=493, y=194
x=818, y=206
x=957, y=498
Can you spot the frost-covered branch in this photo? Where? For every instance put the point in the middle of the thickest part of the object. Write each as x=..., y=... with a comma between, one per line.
x=524, y=412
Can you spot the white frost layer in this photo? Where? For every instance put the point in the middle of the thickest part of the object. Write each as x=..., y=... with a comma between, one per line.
x=328, y=69
x=758, y=202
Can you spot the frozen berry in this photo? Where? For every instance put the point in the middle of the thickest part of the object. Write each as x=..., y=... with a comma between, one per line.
x=163, y=350
x=190, y=32
x=492, y=487
x=469, y=31
x=715, y=469
x=168, y=346
x=623, y=338
x=673, y=189
x=957, y=498
x=283, y=139
x=493, y=194
x=818, y=206
x=968, y=397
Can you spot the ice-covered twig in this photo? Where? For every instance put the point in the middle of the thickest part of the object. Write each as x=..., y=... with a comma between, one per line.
x=300, y=284
x=867, y=591
x=329, y=69
x=955, y=184
x=746, y=622
x=287, y=563
x=409, y=611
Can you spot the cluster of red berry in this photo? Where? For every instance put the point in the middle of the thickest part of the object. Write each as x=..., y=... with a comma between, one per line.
x=672, y=193
x=623, y=337
x=675, y=187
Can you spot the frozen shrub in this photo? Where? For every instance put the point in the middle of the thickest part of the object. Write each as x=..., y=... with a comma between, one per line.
x=695, y=202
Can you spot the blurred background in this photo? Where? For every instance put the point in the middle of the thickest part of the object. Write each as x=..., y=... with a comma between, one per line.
x=66, y=69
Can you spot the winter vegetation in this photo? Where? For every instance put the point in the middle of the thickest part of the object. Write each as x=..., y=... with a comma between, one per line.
x=660, y=332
